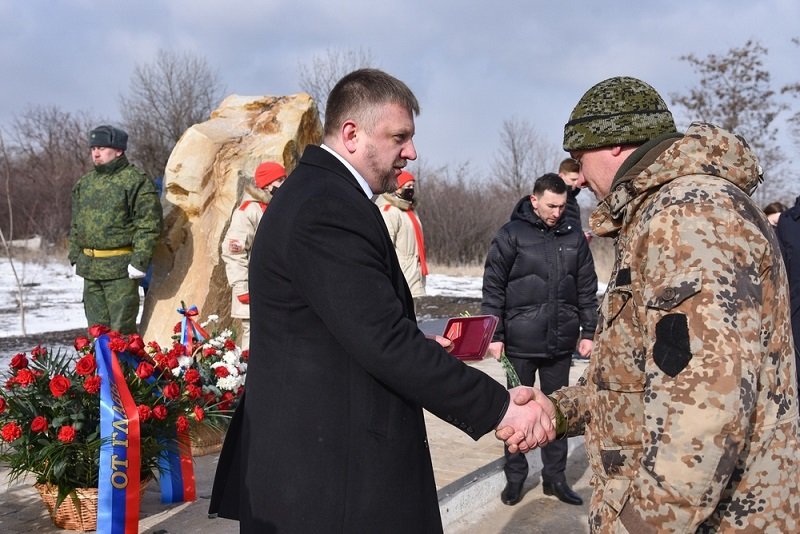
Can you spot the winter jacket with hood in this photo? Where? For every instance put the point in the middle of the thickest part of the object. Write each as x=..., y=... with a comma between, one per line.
x=396, y=214
x=540, y=281
x=243, y=226
x=689, y=402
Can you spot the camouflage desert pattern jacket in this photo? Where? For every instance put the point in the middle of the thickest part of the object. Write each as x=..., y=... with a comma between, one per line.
x=689, y=402
x=114, y=206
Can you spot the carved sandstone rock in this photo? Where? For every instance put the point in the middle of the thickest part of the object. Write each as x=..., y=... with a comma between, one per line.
x=203, y=182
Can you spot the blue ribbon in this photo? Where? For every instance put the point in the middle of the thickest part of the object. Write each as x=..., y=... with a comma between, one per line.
x=119, y=471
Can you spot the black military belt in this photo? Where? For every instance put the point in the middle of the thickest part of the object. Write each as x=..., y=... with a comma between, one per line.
x=107, y=253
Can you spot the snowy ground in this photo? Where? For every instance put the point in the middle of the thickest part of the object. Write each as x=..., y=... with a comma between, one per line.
x=52, y=295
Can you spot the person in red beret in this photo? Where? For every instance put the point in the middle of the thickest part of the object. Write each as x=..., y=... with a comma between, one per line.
x=239, y=238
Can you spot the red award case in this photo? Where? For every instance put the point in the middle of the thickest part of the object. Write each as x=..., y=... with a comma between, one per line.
x=470, y=335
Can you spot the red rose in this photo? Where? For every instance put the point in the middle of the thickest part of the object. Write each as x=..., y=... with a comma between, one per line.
x=11, y=431
x=81, y=342
x=86, y=365
x=177, y=350
x=160, y=412
x=209, y=351
x=92, y=384
x=192, y=376
x=177, y=328
x=98, y=330
x=59, y=385
x=144, y=370
x=144, y=412
x=161, y=360
x=182, y=423
x=199, y=413
x=245, y=354
x=226, y=401
x=117, y=344
x=153, y=347
x=39, y=424
x=19, y=361
x=37, y=351
x=172, y=362
x=229, y=344
x=135, y=343
x=2, y=404
x=193, y=391
x=24, y=377
x=221, y=371
x=171, y=391
x=66, y=434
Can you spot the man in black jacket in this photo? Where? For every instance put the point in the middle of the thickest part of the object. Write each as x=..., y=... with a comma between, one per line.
x=569, y=171
x=539, y=279
x=788, y=231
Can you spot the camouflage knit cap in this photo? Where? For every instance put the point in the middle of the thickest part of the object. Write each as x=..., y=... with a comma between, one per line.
x=617, y=111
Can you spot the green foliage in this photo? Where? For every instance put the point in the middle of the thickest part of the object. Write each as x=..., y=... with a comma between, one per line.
x=511, y=374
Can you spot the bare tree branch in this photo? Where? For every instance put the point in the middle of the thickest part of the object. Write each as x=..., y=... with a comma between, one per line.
x=6, y=246
x=318, y=78
x=735, y=93
x=165, y=98
x=523, y=156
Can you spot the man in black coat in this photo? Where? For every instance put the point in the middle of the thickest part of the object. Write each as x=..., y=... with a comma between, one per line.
x=330, y=436
x=788, y=231
x=539, y=279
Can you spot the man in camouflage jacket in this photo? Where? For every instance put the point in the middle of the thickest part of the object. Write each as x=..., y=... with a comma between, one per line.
x=689, y=403
x=116, y=222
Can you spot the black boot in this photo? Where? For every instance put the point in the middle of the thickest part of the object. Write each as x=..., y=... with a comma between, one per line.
x=562, y=491
x=512, y=494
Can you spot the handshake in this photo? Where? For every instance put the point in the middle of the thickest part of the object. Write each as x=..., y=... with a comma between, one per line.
x=529, y=422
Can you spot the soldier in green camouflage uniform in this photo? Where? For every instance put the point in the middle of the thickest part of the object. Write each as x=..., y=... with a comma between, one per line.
x=689, y=402
x=116, y=222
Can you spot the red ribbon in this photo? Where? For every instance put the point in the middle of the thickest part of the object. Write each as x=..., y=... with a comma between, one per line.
x=420, y=241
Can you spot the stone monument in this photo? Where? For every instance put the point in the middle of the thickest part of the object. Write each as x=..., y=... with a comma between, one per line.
x=203, y=183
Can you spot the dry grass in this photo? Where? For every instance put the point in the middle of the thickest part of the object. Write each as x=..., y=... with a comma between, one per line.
x=473, y=269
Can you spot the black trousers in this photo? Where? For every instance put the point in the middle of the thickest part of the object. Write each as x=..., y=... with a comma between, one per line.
x=553, y=374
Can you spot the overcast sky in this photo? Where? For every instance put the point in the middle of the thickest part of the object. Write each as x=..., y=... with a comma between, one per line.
x=471, y=64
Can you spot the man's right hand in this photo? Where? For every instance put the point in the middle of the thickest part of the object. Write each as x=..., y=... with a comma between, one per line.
x=529, y=421
x=495, y=349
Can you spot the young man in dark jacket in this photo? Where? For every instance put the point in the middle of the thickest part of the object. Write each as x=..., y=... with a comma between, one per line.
x=539, y=279
x=788, y=231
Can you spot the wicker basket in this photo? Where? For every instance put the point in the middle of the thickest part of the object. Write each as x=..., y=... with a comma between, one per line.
x=79, y=510
x=206, y=439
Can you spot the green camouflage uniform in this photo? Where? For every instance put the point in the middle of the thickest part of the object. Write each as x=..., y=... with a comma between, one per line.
x=113, y=206
x=689, y=402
